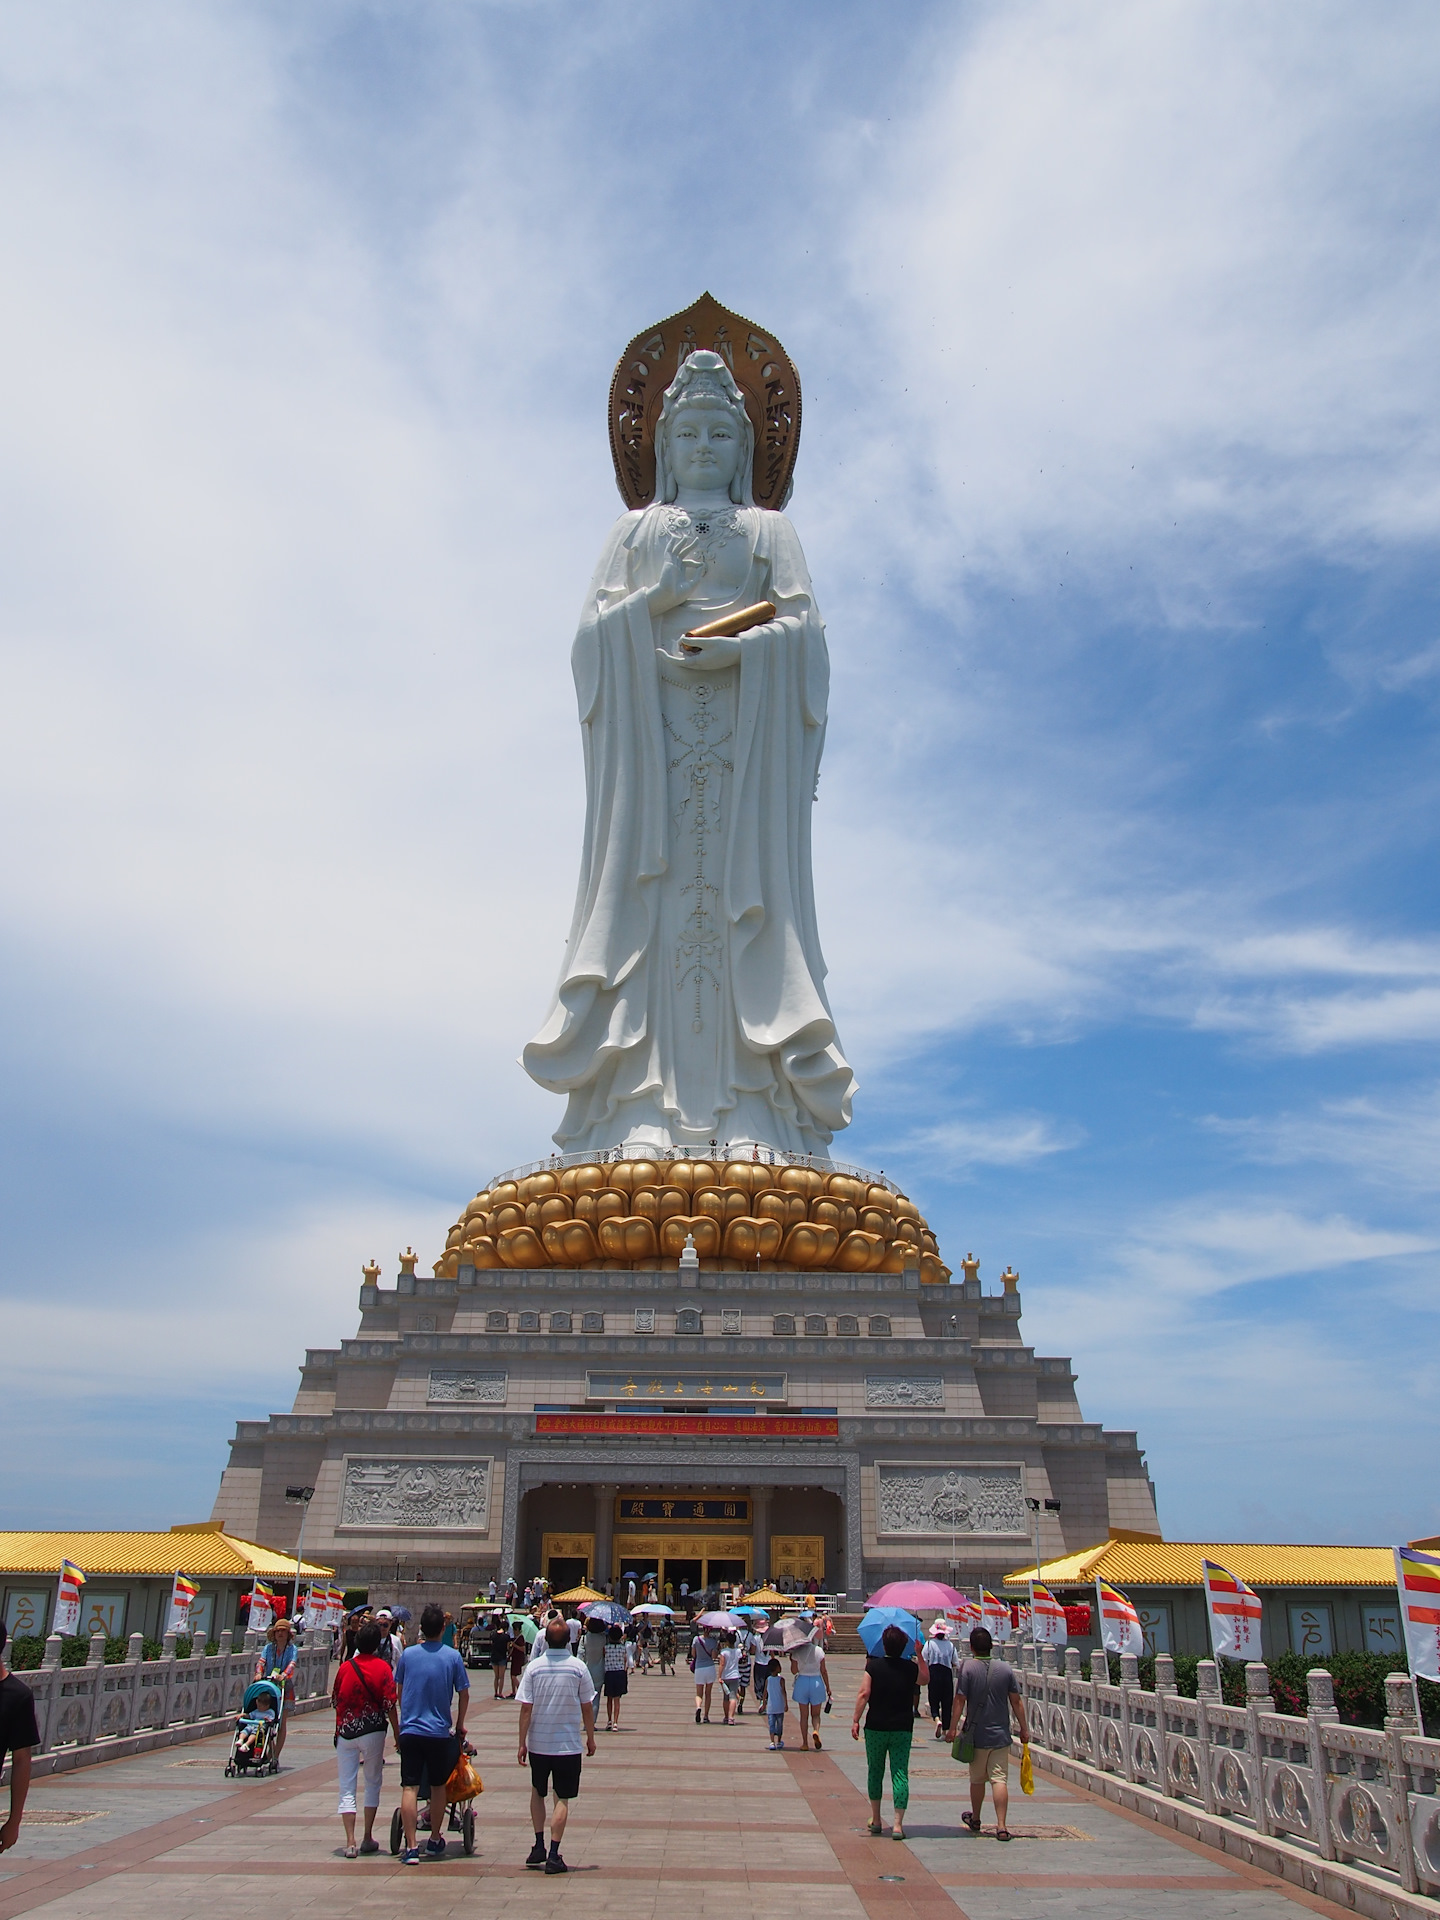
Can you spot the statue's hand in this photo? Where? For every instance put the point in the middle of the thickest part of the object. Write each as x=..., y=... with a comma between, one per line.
x=704, y=656
x=679, y=577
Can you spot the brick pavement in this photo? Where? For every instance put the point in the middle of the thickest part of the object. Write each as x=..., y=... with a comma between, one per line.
x=672, y=1819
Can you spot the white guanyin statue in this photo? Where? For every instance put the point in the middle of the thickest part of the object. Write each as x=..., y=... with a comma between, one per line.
x=691, y=1004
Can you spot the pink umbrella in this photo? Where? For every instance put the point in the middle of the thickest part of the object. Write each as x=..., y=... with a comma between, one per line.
x=917, y=1594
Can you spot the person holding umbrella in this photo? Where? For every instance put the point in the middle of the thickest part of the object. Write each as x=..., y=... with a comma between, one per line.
x=887, y=1699
x=812, y=1686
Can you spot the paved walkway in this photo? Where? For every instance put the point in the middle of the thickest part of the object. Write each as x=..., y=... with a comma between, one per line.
x=673, y=1819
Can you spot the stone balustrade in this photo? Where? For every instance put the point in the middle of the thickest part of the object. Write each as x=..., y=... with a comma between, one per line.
x=1361, y=1797
x=88, y=1709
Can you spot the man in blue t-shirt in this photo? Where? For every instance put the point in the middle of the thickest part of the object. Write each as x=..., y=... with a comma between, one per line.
x=428, y=1675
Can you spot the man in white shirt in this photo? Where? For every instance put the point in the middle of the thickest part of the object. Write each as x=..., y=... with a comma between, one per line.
x=557, y=1706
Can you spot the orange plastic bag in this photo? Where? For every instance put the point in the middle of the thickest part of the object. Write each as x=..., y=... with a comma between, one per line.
x=464, y=1783
x=1027, y=1772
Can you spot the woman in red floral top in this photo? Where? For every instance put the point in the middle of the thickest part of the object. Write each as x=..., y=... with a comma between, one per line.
x=363, y=1697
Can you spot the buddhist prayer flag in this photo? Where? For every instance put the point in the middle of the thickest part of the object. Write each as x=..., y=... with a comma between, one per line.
x=1120, y=1629
x=1047, y=1617
x=67, y=1601
x=262, y=1607
x=995, y=1614
x=182, y=1595
x=1234, y=1612
x=1417, y=1575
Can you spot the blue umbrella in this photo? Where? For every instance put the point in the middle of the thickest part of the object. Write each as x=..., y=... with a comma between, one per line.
x=610, y=1611
x=874, y=1623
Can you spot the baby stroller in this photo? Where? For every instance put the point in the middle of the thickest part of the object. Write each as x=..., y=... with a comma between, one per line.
x=255, y=1743
x=460, y=1815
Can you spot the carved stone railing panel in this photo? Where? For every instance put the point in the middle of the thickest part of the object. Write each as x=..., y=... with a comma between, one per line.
x=82, y=1706
x=1364, y=1796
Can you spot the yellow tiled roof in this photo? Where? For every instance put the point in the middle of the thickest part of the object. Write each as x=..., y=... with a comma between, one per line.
x=151, y=1555
x=1176, y=1563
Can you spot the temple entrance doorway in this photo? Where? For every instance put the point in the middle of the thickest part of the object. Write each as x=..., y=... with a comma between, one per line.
x=682, y=1572
x=703, y=1560
x=563, y=1573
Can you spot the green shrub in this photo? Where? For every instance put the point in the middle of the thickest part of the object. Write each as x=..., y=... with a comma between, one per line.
x=25, y=1654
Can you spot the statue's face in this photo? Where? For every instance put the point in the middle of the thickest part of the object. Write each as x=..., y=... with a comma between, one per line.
x=704, y=449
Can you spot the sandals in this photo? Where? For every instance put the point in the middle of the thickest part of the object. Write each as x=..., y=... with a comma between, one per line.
x=352, y=1852
x=876, y=1828
x=972, y=1821
x=1002, y=1833
x=897, y=1833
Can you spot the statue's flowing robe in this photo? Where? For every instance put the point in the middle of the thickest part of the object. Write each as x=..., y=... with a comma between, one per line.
x=691, y=1005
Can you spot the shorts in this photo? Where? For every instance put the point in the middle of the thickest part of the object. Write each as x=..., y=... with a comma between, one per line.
x=990, y=1763
x=808, y=1691
x=615, y=1685
x=732, y=1689
x=426, y=1758
x=562, y=1768
x=706, y=1676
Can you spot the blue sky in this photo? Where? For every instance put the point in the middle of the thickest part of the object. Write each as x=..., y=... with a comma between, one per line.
x=1120, y=484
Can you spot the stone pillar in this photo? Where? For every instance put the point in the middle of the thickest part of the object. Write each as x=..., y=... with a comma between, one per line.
x=760, y=1533
x=604, y=1531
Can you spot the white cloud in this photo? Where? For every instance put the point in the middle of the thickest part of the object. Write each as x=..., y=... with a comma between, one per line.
x=1002, y=1140
x=1129, y=290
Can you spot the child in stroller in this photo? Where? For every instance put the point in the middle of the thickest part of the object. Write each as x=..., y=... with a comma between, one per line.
x=255, y=1741
x=461, y=1813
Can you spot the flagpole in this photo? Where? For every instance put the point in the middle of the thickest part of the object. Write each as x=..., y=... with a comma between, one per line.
x=1100, y=1634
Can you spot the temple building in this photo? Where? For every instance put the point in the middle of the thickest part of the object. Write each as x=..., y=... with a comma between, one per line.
x=584, y=1393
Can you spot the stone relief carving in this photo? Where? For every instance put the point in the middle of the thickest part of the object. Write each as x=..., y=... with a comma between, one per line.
x=945, y=1500
x=450, y=1383
x=904, y=1390
x=416, y=1493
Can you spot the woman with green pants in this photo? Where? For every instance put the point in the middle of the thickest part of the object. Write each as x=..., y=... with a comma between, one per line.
x=887, y=1699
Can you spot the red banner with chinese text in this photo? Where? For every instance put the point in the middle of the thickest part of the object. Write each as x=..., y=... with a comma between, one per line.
x=738, y=1426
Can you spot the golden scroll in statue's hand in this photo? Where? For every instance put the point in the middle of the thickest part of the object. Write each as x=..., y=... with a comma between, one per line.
x=732, y=624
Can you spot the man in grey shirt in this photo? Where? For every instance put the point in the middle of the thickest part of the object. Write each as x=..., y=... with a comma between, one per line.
x=989, y=1693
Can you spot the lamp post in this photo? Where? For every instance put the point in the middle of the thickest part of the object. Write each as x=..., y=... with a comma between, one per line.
x=298, y=1497
x=1050, y=1506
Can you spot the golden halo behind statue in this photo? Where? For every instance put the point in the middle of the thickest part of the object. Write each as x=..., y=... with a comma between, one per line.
x=763, y=371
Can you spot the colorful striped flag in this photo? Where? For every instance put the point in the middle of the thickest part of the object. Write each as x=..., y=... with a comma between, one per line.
x=1119, y=1623
x=1047, y=1617
x=181, y=1595
x=995, y=1614
x=1235, y=1611
x=262, y=1608
x=1417, y=1576
x=67, y=1600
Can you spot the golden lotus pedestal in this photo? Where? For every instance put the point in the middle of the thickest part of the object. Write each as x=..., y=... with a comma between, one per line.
x=740, y=1215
